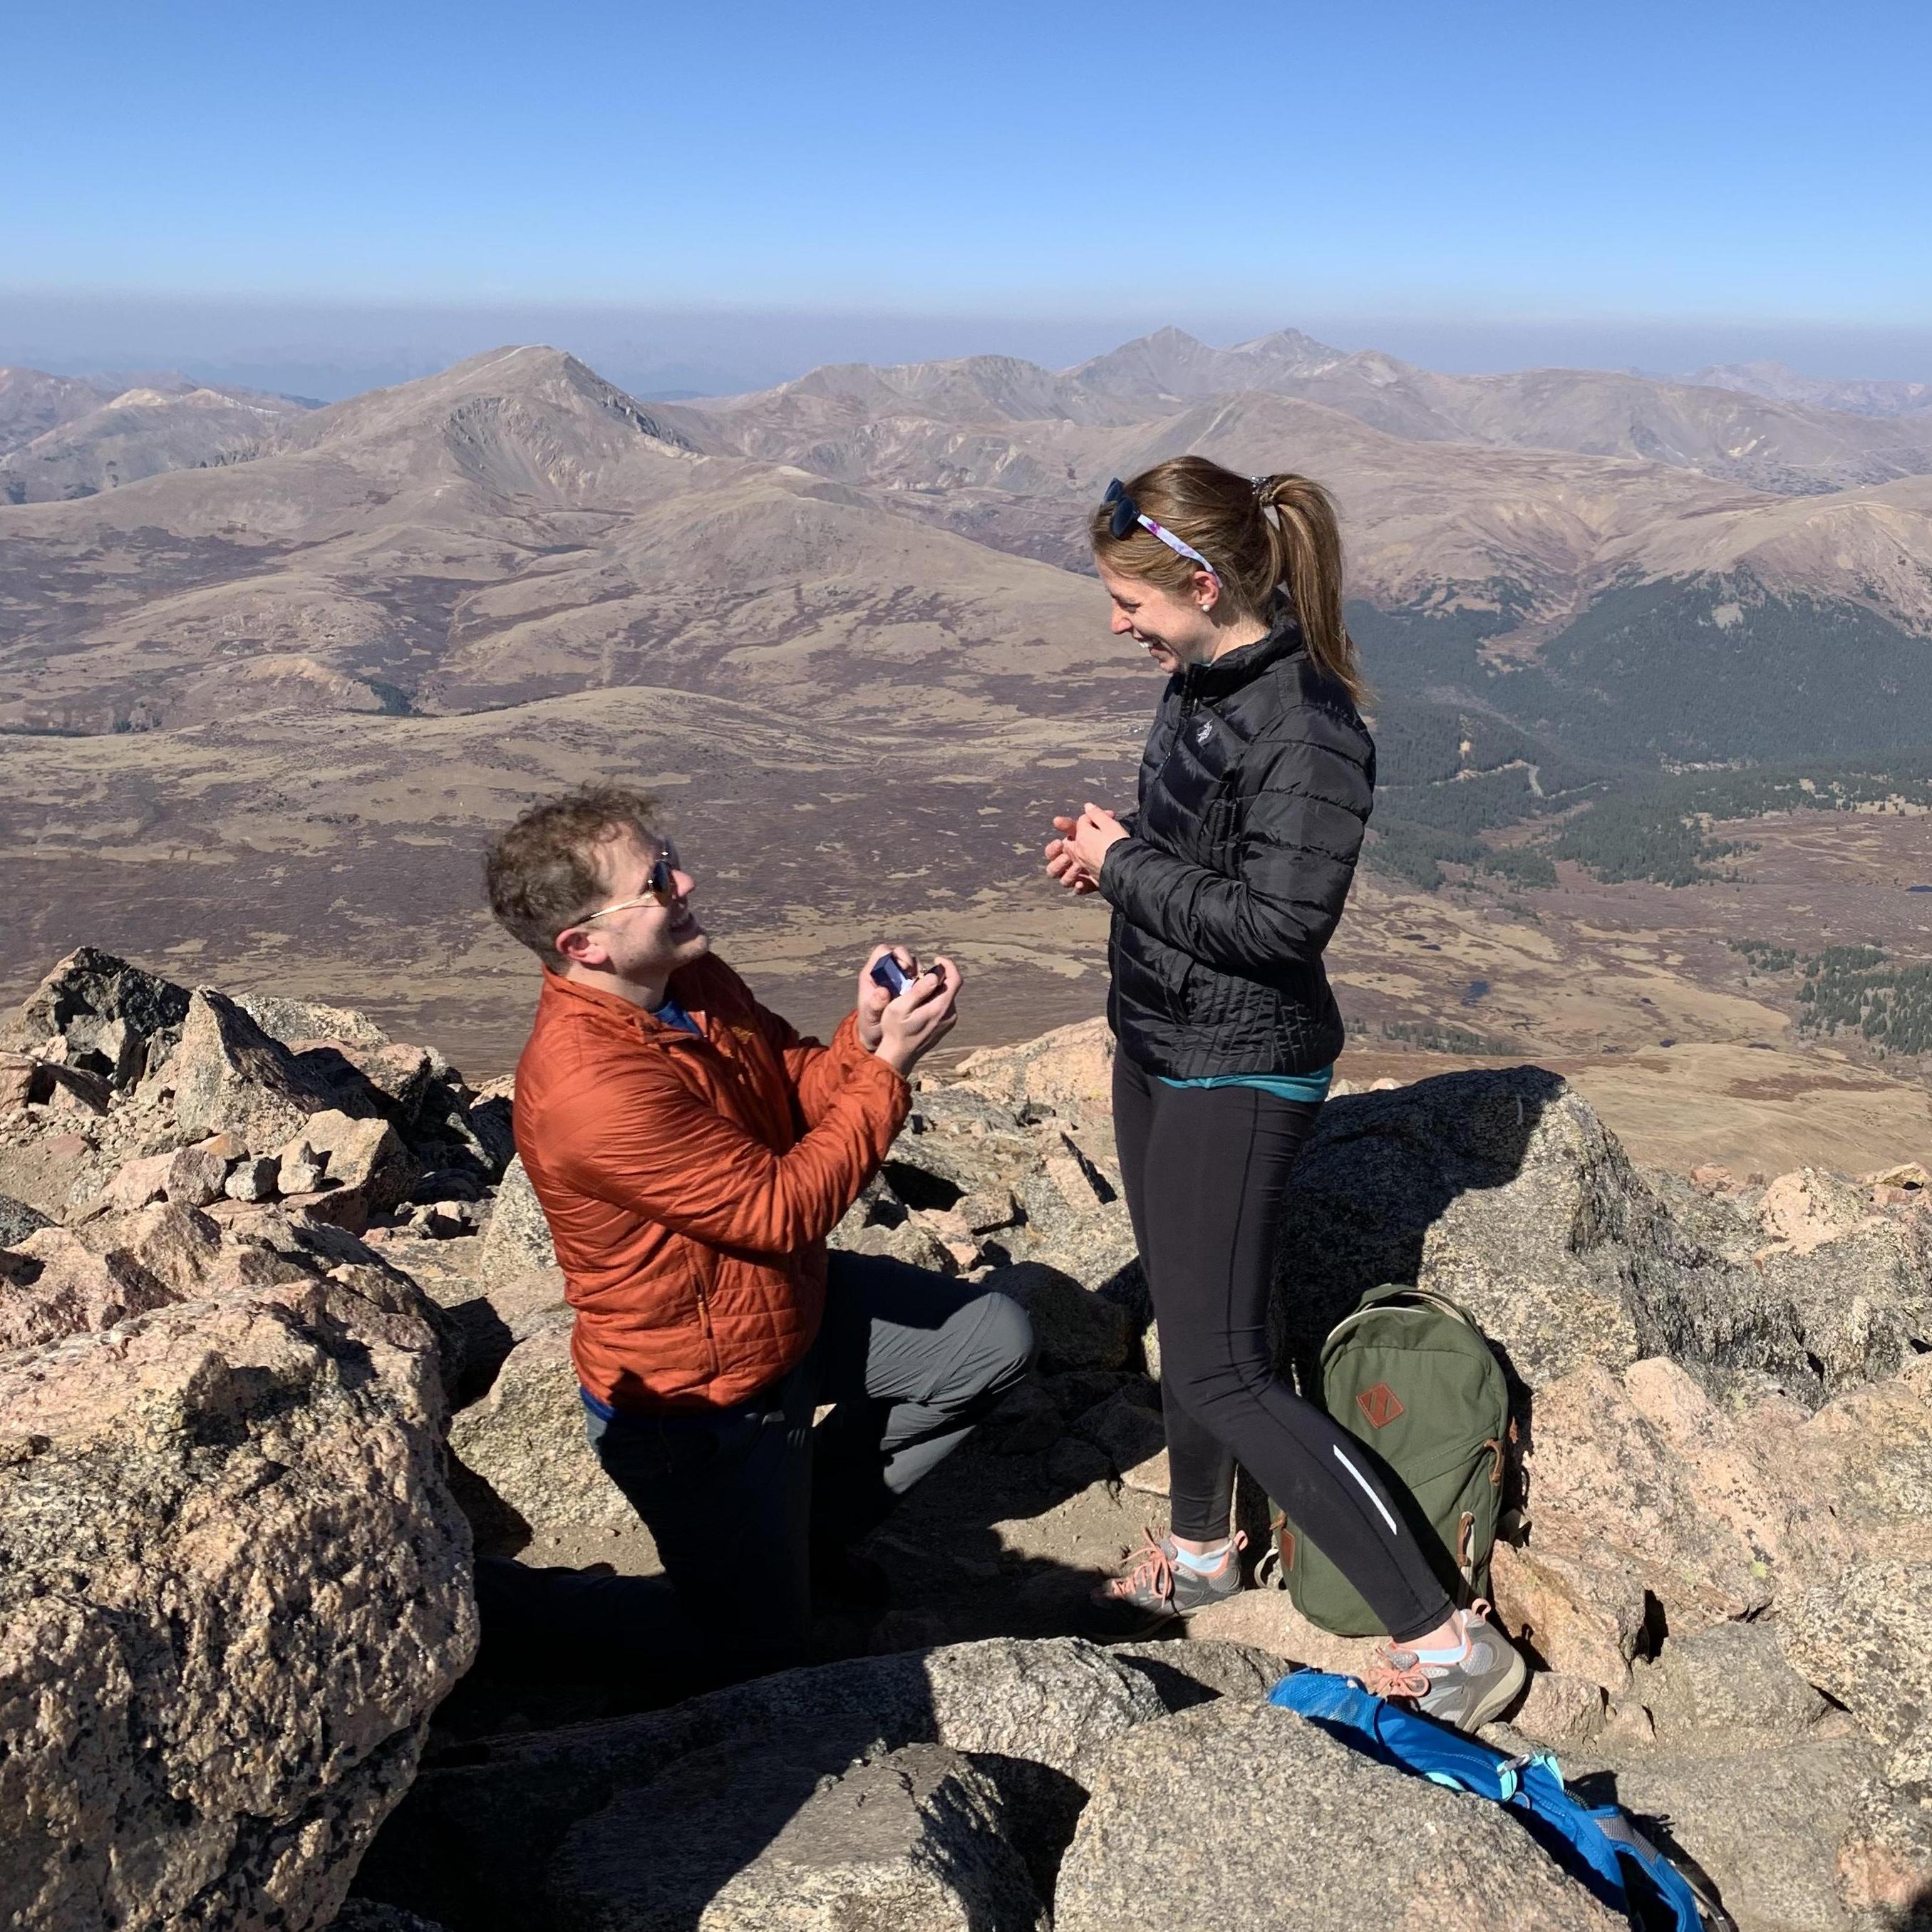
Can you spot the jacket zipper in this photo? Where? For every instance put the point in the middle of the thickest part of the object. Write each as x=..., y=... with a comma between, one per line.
x=704, y=1317
x=1187, y=705
x=1189, y=687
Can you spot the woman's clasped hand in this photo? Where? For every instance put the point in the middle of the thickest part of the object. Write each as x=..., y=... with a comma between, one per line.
x=1078, y=848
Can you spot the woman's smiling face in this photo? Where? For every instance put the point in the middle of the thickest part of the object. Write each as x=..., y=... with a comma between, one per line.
x=1174, y=631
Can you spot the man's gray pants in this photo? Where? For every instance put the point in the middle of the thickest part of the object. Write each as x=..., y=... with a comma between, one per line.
x=736, y=1499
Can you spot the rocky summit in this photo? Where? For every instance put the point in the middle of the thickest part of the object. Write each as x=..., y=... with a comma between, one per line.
x=284, y=1375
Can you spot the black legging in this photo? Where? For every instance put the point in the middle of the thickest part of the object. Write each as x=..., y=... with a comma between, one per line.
x=1205, y=1168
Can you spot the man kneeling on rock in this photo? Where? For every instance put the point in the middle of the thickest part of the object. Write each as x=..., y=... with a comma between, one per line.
x=691, y=1153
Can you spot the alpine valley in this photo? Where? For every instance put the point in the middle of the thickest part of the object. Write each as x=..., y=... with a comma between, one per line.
x=1653, y=660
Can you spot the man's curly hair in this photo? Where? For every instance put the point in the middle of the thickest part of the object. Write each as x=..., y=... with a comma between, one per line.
x=547, y=870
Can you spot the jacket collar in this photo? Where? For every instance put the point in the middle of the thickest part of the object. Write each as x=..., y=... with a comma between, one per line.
x=562, y=995
x=1227, y=675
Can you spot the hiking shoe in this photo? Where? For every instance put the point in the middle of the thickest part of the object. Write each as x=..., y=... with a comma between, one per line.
x=1159, y=1585
x=1467, y=1691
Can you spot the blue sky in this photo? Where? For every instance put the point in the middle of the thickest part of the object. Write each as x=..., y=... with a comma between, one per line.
x=1756, y=163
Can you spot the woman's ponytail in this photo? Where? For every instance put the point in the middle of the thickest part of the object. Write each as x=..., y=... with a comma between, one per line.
x=1306, y=541
x=1262, y=535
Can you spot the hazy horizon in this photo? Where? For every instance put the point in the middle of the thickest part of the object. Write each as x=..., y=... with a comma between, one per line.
x=329, y=350
x=713, y=201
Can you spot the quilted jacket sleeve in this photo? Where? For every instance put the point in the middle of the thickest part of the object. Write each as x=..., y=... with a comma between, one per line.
x=644, y=1140
x=1306, y=808
x=815, y=1073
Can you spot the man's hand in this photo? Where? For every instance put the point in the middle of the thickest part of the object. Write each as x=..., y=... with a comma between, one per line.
x=1064, y=864
x=920, y=1018
x=873, y=997
x=1095, y=830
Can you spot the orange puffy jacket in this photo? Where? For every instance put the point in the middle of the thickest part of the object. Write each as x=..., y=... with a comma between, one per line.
x=690, y=1182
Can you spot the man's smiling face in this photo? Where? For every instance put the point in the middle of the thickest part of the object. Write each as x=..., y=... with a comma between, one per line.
x=648, y=941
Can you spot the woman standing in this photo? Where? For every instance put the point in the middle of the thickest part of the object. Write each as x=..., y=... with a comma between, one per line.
x=1226, y=884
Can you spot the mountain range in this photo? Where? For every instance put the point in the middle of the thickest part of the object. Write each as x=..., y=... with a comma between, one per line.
x=268, y=670
x=516, y=528
x=1784, y=384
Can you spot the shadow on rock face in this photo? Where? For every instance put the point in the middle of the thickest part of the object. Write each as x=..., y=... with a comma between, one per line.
x=562, y=1644
x=925, y=1790
x=545, y=1766
x=1383, y=1171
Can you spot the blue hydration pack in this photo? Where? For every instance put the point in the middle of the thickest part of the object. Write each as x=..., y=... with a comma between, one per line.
x=1599, y=1847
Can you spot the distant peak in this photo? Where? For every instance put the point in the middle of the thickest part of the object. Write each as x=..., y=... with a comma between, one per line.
x=523, y=356
x=1170, y=362
x=1286, y=340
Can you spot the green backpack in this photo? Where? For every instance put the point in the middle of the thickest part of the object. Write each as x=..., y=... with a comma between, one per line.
x=1410, y=1374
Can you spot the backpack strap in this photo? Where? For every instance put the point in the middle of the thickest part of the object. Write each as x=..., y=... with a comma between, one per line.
x=1657, y=1870
x=1600, y=1848
x=1395, y=1294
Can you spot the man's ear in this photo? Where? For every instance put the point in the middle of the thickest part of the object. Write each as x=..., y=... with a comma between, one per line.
x=579, y=945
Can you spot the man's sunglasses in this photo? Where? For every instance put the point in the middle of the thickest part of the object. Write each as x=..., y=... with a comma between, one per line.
x=1123, y=513
x=660, y=888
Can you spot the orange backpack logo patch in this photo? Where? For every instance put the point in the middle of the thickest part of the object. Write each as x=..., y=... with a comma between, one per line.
x=1381, y=1404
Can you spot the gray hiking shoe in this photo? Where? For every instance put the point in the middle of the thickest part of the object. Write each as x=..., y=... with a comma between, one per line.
x=1478, y=1686
x=1159, y=1585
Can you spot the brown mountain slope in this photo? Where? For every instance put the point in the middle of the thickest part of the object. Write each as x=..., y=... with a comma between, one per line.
x=1790, y=439
x=972, y=388
x=1171, y=364
x=516, y=527
x=32, y=402
x=1864, y=398
x=1871, y=546
x=1541, y=528
x=1788, y=444
x=140, y=433
x=524, y=421
x=766, y=585
x=512, y=528
x=1789, y=448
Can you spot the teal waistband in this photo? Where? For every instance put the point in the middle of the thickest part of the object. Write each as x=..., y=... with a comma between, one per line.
x=1310, y=1087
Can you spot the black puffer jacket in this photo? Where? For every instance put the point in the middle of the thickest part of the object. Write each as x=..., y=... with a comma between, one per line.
x=1255, y=788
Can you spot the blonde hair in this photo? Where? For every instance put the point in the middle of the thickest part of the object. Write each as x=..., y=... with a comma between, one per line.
x=1262, y=534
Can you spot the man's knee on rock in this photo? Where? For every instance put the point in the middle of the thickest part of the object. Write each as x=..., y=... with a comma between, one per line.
x=1003, y=1346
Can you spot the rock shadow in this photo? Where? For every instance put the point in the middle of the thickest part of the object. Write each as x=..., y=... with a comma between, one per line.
x=558, y=1685
x=1380, y=1171
x=557, y=1640
x=645, y=1821
x=598, y=1799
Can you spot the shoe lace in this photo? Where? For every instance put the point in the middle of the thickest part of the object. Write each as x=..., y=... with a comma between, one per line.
x=1396, y=1673
x=1401, y=1673
x=1153, y=1568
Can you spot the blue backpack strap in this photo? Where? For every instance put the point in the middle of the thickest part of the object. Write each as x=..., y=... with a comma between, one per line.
x=1399, y=1737
x=1603, y=1860
x=1671, y=1889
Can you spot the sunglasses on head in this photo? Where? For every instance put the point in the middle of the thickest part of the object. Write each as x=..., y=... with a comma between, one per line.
x=1123, y=513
